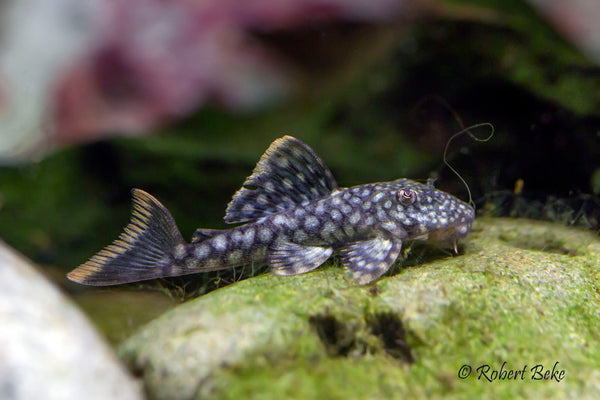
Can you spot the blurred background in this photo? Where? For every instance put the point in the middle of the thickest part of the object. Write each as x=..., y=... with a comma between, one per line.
x=181, y=98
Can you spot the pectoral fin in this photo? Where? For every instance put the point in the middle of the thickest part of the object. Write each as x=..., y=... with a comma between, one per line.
x=292, y=259
x=370, y=259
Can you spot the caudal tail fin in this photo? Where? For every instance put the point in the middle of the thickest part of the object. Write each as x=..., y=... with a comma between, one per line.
x=145, y=250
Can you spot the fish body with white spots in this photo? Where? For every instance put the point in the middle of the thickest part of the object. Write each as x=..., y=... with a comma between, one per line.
x=294, y=218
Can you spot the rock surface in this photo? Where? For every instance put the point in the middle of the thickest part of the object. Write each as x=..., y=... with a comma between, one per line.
x=48, y=349
x=522, y=297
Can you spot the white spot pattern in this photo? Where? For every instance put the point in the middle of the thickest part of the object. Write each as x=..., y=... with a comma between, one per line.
x=248, y=238
x=264, y=234
x=201, y=251
x=220, y=243
x=354, y=218
x=377, y=197
x=279, y=219
x=335, y=214
x=311, y=222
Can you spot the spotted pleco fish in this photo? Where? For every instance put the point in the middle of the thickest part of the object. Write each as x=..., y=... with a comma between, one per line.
x=295, y=217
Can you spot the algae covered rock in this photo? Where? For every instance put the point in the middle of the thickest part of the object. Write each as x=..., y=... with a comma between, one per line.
x=515, y=315
x=48, y=350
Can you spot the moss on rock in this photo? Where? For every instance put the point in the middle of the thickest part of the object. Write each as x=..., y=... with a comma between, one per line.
x=510, y=303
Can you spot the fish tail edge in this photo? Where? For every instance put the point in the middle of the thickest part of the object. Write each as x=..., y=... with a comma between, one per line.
x=144, y=250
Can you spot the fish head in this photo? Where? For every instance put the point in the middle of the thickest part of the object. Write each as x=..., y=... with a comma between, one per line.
x=428, y=213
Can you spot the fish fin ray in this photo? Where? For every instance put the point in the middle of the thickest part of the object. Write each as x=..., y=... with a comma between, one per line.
x=293, y=259
x=370, y=259
x=144, y=250
x=288, y=174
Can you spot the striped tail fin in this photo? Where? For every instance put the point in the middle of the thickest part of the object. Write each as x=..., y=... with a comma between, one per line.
x=145, y=249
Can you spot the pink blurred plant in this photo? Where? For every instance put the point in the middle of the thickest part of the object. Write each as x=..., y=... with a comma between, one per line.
x=106, y=67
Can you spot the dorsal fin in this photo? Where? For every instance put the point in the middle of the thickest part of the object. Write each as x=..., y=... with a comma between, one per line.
x=287, y=175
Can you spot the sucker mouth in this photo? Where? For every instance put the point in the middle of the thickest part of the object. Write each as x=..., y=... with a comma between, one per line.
x=446, y=237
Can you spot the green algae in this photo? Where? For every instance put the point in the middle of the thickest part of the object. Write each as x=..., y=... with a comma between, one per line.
x=500, y=305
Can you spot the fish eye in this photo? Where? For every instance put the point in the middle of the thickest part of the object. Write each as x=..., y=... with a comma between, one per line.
x=407, y=196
